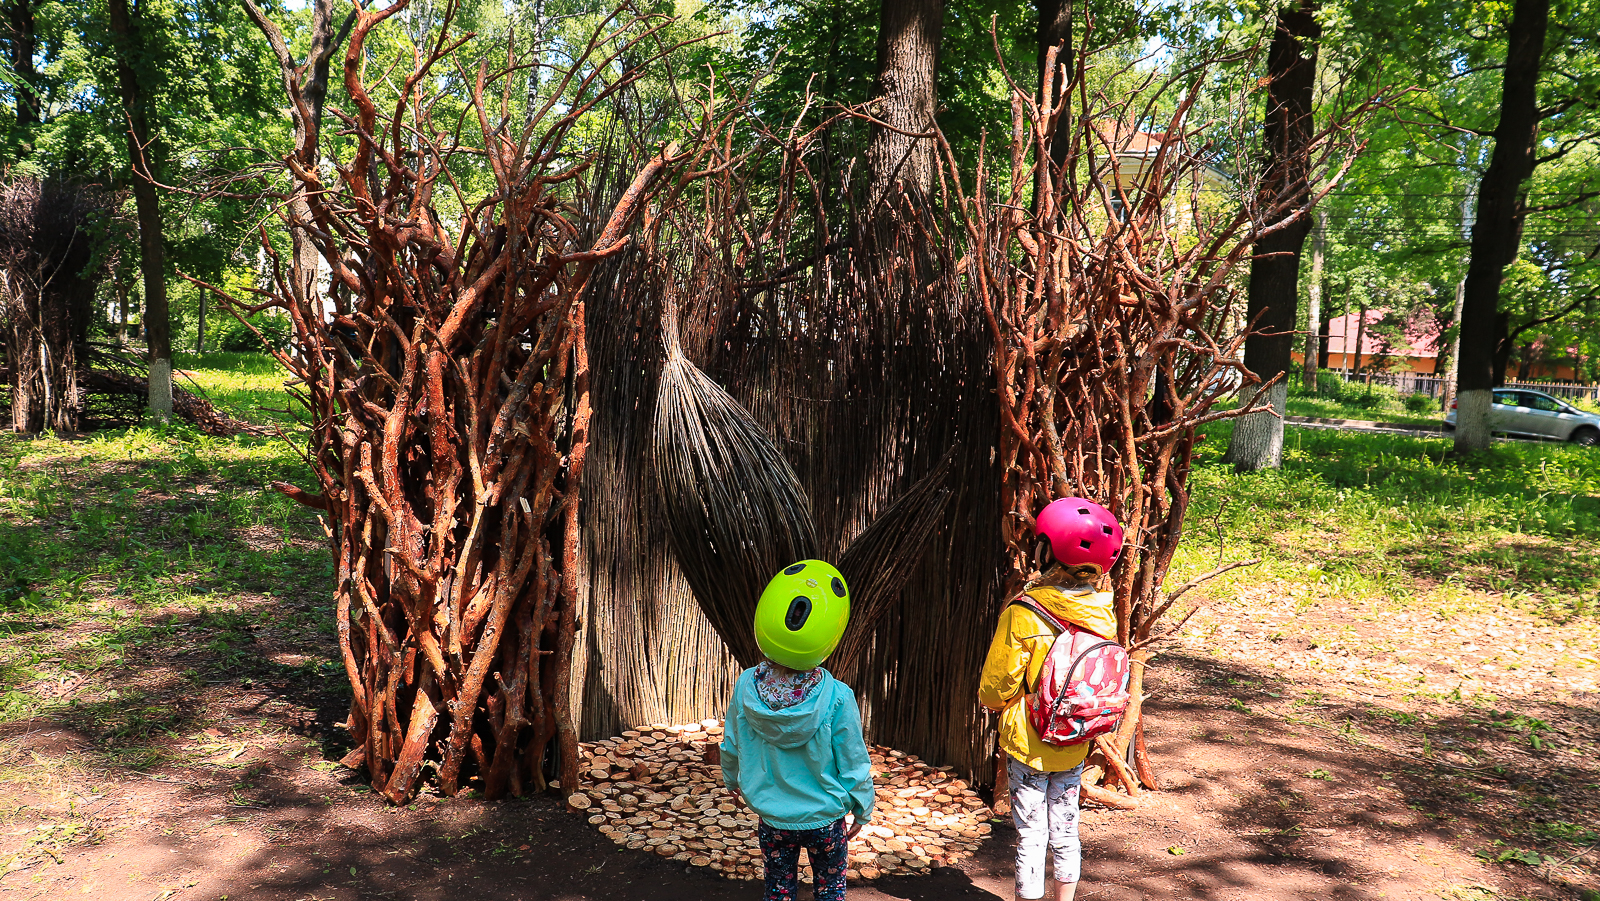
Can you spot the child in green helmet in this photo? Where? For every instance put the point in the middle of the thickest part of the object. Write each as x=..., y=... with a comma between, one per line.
x=792, y=745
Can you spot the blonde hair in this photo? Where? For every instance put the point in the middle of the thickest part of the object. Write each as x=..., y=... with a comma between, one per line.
x=1080, y=577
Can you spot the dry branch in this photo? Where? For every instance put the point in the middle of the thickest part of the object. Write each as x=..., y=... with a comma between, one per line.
x=445, y=372
x=1108, y=297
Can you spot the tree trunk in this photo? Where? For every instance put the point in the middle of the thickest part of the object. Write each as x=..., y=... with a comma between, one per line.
x=307, y=87
x=1257, y=441
x=200, y=331
x=145, y=154
x=1055, y=31
x=122, y=312
x=1284, y=194
x=1324, y=327
x=1497, y=230
x=908, y=55
x=1450, y=367
x=1313, y=351
x=1361, y=338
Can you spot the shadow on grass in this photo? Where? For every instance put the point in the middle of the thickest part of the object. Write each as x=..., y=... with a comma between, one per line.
x=142, y=598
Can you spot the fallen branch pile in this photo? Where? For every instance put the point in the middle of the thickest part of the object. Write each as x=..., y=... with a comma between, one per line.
x=1109, y=296
x=445, y=374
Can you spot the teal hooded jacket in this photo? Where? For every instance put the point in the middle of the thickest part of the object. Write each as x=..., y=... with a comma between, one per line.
x=801, y=767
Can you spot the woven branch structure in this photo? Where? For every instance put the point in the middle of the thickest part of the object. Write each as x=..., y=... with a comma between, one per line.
x=1110, y=299
x=48, y=248
x=733, y=367
x=446, y=374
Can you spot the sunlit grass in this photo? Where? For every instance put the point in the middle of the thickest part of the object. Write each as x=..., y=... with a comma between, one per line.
x=1404, y=518
x=249, y=386
x=107, y=541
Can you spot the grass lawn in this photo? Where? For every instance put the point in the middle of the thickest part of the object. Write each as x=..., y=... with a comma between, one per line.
x=1401, y=518
x=108, y=538
x=248, y=386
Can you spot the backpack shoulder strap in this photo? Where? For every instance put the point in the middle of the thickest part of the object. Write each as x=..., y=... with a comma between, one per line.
x=1049, y=619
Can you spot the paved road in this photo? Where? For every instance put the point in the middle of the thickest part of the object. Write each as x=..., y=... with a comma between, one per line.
x=1385, y=428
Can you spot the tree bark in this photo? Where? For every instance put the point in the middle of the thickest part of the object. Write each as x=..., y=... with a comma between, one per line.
x=1313, y=351
x=1361, y=339
x=1497, y=230
x=307, y=87
x=1285, y=193
x=909, y=32
x=1055, y=30
x=1324, y=328
x=1450, y=366
x=1450, y=369
x=145, y=154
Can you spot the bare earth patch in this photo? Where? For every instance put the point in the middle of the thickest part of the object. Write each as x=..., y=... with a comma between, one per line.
x=1304, y=754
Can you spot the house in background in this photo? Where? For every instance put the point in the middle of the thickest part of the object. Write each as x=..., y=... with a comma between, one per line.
x=1414, y=346
x=1411, y=346
x=1134, y=153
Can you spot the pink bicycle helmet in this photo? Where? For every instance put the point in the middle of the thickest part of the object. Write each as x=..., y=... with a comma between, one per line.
x=1080, y=532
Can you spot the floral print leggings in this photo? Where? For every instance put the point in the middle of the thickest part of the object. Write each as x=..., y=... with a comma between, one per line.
x=780, y=855
x=1044, y=807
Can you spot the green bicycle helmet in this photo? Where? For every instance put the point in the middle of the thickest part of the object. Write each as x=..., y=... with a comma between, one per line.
x=802, y=614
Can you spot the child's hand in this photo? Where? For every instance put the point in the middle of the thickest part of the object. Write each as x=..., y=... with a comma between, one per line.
x=850, y=833
x=738, y=798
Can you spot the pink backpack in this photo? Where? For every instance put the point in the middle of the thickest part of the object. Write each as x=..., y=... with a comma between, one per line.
x=1083, y=689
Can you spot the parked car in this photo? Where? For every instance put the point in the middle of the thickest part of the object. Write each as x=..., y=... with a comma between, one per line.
x=1518, y=411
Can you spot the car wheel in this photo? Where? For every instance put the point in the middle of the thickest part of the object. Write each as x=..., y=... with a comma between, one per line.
x=1586, y=437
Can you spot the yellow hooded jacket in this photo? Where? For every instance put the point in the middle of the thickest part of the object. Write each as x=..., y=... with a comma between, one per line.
x=1016, y=660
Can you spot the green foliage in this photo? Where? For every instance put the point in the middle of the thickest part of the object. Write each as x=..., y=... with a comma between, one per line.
x=1399, y=221
x=1419, y=403
x=234, y=336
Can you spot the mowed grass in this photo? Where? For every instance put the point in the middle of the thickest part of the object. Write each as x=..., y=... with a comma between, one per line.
x=141, y=568
x=1404, y=519
x=248, y=386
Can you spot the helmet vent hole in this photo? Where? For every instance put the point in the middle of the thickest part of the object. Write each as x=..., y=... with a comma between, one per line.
x=1085, y=544
x=1106, y=529
x=1083, y=511
x=838, y=588
x=794, y=569
x=799, y=612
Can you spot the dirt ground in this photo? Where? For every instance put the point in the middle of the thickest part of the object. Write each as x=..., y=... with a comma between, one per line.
x=1301, y=756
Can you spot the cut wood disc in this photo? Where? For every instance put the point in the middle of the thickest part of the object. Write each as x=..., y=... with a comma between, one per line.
x=656, y=788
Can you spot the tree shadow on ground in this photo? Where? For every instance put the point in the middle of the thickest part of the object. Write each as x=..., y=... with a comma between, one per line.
x=1305, y=783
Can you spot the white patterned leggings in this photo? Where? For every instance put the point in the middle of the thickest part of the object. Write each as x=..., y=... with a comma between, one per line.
x=1044, y=807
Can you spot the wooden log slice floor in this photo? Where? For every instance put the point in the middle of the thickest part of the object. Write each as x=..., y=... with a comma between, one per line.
x=659, y=788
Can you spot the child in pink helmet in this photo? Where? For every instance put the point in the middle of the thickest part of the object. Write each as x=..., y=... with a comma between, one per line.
x=1077, y=542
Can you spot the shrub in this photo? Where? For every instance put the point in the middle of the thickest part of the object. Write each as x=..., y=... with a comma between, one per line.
x=236, y=337
x=1420, y=403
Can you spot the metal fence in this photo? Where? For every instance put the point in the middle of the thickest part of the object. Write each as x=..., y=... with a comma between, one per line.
x=1434, y=385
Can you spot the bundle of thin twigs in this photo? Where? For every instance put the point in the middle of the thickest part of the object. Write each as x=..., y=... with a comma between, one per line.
x=446, y=380
x=1109, y=299
x=735, y=510
x=48, y=243
x=850, y=348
